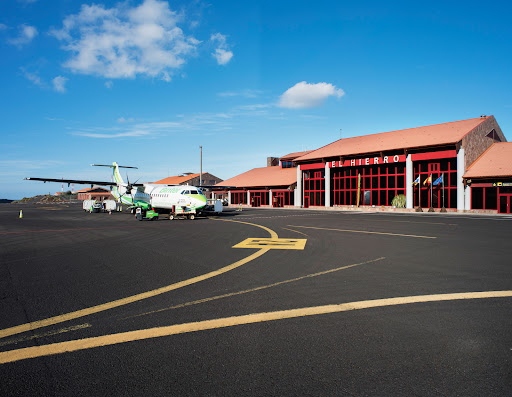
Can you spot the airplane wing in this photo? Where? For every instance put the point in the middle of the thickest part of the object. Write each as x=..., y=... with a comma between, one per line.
x=79, y=182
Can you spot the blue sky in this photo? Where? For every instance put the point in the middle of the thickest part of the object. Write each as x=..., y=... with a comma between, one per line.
x=146, y=82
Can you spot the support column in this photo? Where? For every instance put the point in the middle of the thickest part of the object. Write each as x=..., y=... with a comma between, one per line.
x=409, y=189
x=229, y=197
x=460, y=184
x=270, y=198
x=249, y=198
x=298, y=191
x=467, y=198
x=327, y=179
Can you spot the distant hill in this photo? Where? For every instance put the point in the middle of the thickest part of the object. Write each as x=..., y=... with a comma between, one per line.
x=3, y=201
x=42, y=199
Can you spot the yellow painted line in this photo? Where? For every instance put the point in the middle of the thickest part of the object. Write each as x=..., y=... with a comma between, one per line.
x=256, y=288
x=273, y=243
x=272, y=233
x=361, y=231
x=134, y=298
x=296, y=231
x=108, y=340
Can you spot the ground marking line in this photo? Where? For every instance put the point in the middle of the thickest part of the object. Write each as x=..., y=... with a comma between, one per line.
x=138, y=297
x=256, y=288
x=361, y=231
x=45, y=334
x=296, y=231
x=272, y=233
x=131, y=336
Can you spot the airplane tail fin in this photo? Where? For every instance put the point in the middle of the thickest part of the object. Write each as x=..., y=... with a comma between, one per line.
x=120, y=191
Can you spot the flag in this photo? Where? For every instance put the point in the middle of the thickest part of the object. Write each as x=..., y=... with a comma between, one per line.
x=428, y=181
x=416, y=181
x=438, y=180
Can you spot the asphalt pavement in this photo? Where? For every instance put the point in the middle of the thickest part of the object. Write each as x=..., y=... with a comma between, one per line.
x=261, y=302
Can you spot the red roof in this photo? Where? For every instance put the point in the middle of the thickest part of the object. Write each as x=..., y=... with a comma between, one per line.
x=496, y=161
x=432, y=135
x=293, y=156
x=88, y=189
x=263, y=177
x=176, y=180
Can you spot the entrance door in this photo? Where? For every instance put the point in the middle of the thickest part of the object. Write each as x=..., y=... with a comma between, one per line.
x=306, y=201
x=505, y=203
x=278, y=200
x=256, y=201
x=434, y=170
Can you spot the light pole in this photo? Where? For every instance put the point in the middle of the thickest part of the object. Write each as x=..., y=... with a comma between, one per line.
x=201, y=168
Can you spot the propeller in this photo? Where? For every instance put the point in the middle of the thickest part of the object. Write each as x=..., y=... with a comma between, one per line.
x=129, y=188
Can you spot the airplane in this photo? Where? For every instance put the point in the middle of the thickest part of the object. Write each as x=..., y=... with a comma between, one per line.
x=148, y=199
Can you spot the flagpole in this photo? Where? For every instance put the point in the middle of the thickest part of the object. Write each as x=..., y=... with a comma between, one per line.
x=443, y=209
x=431, y=209
x=419, y=192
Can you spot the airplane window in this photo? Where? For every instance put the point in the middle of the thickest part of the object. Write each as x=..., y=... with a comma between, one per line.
x=194, y=192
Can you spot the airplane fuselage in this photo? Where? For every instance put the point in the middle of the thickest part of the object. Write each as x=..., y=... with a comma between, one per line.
x=169, y=197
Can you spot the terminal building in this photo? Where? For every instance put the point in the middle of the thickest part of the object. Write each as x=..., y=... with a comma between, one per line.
x=457, y=166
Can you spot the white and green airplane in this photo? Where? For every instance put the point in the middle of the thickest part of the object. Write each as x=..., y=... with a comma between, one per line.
x=149, y=199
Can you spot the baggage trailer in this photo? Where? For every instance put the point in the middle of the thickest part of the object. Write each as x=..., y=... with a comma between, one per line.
x=182, y=212
x=215, y=206
x=91, y=206
x=109, y=205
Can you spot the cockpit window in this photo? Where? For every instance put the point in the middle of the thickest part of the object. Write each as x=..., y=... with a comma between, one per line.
x=194, y=192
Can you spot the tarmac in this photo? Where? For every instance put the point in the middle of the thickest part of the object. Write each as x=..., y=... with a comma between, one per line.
x=257, y=302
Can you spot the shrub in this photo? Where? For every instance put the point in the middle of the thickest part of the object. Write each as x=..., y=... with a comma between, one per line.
x=399, y=201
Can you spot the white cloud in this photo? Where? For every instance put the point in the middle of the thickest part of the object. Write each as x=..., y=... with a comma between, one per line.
x=109, y=84
x=305, y=95
x=133, y=133
x=59, y=83
x=222, y=53
x=3, y=27
x=258, y=106
x=207, y=123
x=123, y=41
x=26, y=35
x=124, y=120
x=222, y=56
x=33, y=77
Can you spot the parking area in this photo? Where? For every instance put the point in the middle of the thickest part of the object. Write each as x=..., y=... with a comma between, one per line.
x=257, y=302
